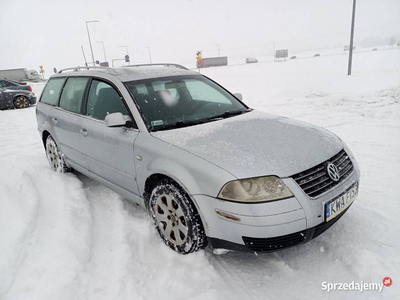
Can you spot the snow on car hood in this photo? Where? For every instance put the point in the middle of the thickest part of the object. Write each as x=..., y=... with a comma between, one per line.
x=256, y=144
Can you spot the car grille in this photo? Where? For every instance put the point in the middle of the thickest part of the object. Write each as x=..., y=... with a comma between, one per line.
x=275, y=243
x=316, y=181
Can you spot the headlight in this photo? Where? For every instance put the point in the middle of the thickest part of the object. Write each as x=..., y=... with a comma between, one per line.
x=254, y=190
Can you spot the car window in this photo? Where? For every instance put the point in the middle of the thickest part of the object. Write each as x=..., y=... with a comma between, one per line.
x=202, y=91
x=52, y=91
x=169, y=100
x=103, y=99
x=4, y=83
x=72, y=94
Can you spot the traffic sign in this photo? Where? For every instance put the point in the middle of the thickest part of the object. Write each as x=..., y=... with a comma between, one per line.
x=97, y=62
x=41, y=67
x=127, y=58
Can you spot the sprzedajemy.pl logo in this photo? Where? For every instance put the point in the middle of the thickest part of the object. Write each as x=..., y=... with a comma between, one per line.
x=356, y=286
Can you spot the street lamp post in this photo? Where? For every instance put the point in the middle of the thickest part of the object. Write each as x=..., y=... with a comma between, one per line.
x=353, y=17
x=126, y=49
x=104, y=49
x=87, y=28
x=148, y=48
x=127, y=53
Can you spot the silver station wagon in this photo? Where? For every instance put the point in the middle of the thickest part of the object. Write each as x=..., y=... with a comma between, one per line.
x=209, y=169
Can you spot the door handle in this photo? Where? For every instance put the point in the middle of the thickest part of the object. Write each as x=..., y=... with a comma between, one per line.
x=54, y=120
x=83, y=132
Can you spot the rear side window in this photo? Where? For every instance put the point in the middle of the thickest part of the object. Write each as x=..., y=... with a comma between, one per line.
x=72, y=95
x=103, y=99
x=52, y=91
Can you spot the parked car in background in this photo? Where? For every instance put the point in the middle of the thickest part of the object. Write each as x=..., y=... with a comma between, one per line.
x=250, y=60
x=14, y=85
x=316, y=55
x=293, y=57
x=16, y=98
x=207, y=168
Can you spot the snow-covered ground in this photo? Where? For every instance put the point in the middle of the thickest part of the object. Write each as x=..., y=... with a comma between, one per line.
x=64, y=236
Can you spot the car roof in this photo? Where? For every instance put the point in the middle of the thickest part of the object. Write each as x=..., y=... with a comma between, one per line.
x=129, y=73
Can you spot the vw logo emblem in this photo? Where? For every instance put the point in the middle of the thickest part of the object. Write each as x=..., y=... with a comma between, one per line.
x=333, y=172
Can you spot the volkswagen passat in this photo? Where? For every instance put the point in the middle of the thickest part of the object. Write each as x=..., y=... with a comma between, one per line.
x=209, y=169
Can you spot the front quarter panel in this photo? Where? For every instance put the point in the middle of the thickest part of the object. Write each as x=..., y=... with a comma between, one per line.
x=196, y=175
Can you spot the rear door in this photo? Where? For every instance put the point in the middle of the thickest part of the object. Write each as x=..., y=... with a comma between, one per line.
x=67, y=118
x=107, y=151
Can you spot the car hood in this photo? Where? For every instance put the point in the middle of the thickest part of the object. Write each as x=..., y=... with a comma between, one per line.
x=256, y=144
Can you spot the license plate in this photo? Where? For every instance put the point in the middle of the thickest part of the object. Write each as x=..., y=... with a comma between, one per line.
x=339, y=204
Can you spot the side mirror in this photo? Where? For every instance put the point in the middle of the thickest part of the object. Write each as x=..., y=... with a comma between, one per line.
x=117, y=119
x=238, y=95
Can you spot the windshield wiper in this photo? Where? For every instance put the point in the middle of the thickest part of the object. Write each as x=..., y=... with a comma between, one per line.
x=185, y=123
x=228, y=114
x=179, y=124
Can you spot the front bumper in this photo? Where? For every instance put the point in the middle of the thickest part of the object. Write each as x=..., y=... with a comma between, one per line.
x=270, y=226
x=275, y=243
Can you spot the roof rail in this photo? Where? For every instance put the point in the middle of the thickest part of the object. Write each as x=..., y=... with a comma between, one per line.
x=76, y=69
x=159, y=64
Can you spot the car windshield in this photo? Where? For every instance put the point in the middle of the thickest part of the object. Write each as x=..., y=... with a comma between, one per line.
x=179, y=101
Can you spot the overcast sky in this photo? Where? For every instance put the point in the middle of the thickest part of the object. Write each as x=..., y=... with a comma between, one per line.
x=51, y=32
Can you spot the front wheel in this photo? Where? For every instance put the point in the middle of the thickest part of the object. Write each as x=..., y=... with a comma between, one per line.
x=55, y=157
x=176, y=218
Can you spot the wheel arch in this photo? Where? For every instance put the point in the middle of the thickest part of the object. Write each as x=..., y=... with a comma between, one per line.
x=45, y=134
x=153, y=179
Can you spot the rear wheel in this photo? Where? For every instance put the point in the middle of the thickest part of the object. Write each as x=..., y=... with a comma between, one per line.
x=55, y=157
x=21, y=102
x=176, y=218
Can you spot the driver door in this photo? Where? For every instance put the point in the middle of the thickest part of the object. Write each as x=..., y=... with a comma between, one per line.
x=108, y=151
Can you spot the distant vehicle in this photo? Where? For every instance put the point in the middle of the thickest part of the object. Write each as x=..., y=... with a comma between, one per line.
x=212, y=62
x=316, y=55
x=12, y=98
x=293, y=57
x=206, y=167
x=13, y=85
x=250, y=60
x=375, y=49
x=20, y=75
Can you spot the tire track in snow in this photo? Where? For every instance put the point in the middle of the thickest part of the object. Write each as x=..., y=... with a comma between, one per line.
x=57, y=249
x=129, y=261
x=232, y=277
x=108, y=250
x=23, y=201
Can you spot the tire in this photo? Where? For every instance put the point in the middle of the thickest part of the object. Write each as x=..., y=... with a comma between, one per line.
x=21, y=102
x=55, y=157
x=176, y=218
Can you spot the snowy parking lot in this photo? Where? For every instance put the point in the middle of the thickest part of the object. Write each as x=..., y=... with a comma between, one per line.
x=64, y=236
